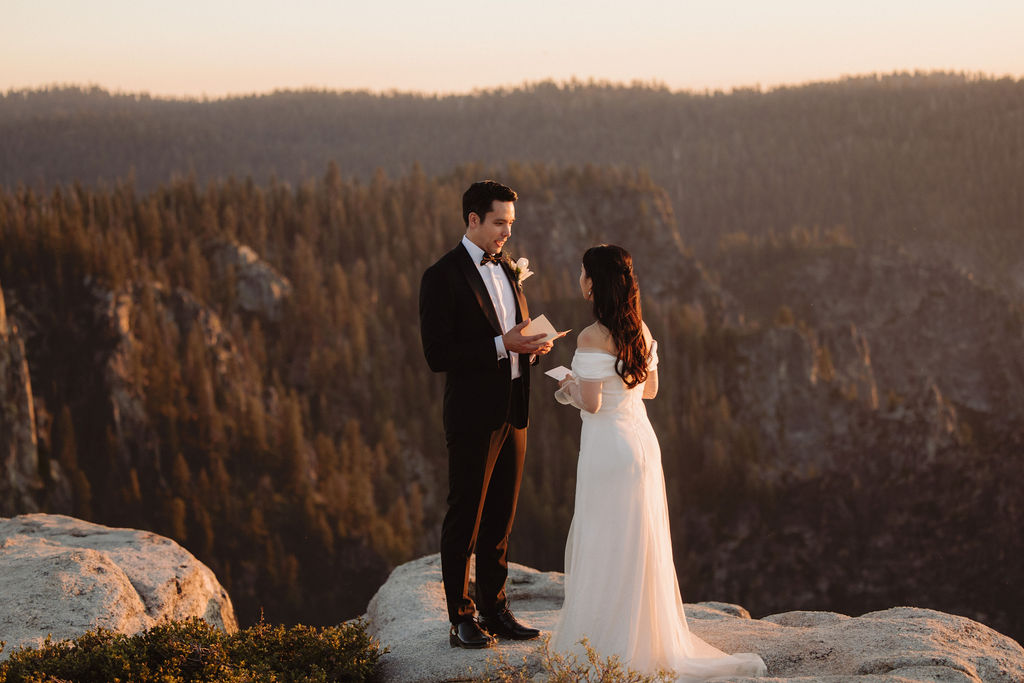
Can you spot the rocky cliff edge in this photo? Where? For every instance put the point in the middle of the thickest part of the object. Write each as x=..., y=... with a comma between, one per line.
x=62, y=576
x=901, y=644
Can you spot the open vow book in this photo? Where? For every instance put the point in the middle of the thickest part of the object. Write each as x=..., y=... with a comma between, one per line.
x=540, y=325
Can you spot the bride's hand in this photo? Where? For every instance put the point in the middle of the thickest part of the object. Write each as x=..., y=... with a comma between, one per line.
x=565, y=380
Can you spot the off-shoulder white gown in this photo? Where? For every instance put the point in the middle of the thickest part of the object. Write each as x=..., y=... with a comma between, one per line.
x=621, y=591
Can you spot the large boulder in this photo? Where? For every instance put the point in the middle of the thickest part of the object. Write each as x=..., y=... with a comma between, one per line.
x=408, y=616
x=901, y=644
x=62, y=576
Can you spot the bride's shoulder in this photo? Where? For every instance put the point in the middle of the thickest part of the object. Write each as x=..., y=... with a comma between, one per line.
x=593, y=336
x=648, y=337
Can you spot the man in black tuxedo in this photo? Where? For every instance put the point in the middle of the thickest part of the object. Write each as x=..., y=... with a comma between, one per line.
x=472, y=313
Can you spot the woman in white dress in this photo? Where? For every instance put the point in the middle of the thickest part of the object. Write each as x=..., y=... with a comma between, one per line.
x=621, y=591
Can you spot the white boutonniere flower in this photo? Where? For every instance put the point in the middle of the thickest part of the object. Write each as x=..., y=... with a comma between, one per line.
x=522, y=270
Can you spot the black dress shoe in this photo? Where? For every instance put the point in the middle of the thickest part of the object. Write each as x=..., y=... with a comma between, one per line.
x=469, y=635
x=505, y=625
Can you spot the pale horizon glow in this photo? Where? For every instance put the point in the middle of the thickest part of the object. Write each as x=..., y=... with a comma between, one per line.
x=218, y=48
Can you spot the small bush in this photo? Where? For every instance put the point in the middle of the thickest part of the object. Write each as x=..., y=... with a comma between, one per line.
x=301, y=654
x=192, y=651
x=557, y=667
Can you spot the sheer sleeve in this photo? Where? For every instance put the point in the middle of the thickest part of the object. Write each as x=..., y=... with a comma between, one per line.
x=651, y=385
x=584, y=394
x=590, y=370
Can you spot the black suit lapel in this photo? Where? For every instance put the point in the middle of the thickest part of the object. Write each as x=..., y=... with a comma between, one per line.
x=476, y=283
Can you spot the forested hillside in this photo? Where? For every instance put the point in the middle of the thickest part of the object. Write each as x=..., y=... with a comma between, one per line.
x=293, y=441
x=929, y=161
x=213, y=332
x=293, y=444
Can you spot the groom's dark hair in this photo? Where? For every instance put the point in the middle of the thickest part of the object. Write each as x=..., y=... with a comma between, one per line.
x=478, y=198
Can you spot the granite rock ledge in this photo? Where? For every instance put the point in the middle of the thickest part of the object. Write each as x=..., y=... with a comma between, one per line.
x=63, y=576
x=898, y=645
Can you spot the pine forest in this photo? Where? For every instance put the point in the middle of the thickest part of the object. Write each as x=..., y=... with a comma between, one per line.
x=217, y=306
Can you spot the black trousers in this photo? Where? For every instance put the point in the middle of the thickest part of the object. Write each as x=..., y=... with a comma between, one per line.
x=485, y=469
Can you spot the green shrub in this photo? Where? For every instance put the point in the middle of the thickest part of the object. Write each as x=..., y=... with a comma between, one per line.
x=192, y=651
x=299, y=654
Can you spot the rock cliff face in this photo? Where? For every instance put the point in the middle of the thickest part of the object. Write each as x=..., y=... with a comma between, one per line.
x=259, y=288
x=106, y=374
x=901, y=644
x=114, y=312
x=641, y=219
x=886, y=354
x=63, y=576
x=19, y=455
x=923, y=321
x=813, y=401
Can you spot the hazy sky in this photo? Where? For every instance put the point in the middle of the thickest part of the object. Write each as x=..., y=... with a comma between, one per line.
x=217, y=47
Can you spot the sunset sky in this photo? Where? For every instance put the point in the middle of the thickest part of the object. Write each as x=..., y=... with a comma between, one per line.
x=219, y=47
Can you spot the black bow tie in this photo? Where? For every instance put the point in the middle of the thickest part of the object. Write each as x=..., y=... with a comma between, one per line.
x=491, y=258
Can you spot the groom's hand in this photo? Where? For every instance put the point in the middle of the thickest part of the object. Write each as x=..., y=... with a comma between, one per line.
x=515, y=341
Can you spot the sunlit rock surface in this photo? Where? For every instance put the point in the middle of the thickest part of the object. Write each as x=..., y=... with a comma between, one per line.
x=62, y=576
x=900, y=644
x=19, y=454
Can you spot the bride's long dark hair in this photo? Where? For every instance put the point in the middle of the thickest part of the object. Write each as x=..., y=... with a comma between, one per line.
x=617, y=306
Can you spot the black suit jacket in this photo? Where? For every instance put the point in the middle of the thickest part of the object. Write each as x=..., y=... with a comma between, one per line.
x=458, y=325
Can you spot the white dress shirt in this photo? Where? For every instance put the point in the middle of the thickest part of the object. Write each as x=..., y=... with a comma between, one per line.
x=502, y=297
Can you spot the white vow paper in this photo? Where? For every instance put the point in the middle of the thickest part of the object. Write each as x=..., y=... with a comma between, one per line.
x=540, y=325
x=558, y=373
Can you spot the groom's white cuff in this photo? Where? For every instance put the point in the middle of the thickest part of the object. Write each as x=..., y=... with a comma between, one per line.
x=499, y=346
